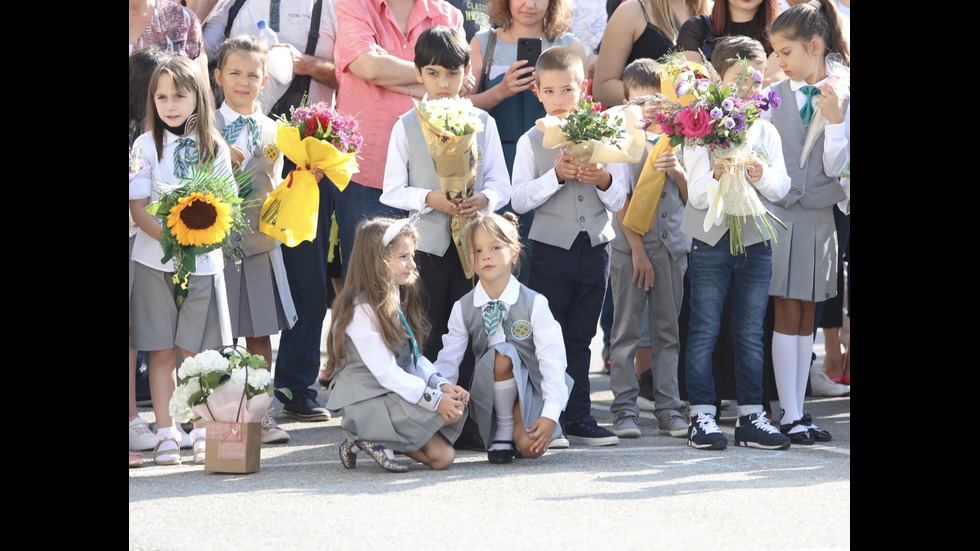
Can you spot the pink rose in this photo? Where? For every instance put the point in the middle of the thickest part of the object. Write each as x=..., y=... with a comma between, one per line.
x=694, y=123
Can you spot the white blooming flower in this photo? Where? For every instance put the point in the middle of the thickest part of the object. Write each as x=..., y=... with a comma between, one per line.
x=454, y=115
x=258, y=378
x=179, y=406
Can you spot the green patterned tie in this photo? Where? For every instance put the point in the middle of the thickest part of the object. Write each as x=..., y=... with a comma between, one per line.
x=806, y=112
x=493, y=313
x=186, y=154
x=231, y=132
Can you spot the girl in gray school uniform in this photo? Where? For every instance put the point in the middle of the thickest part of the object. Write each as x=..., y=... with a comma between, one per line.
x=391, y=395
x=814, y=122
x=259, y=300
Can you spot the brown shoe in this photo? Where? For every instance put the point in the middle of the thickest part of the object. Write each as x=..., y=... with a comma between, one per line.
x=379, y=456
x=347, y=456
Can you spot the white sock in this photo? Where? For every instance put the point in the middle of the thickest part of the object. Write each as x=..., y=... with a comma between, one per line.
x=804, y=354
x=167, y=432
x=201, y=444
x=784, y=357
x=504, y=397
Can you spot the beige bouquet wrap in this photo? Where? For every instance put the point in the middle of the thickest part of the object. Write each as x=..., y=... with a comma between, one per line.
x=627, y=149
x=455, y=157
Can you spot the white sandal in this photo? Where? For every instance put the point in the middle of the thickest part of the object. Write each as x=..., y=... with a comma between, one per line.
x=158, y=453
x=199, y=445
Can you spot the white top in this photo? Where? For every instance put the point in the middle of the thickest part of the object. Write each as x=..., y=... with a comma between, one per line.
x=528, y=192
x=836, y=152
x=398, y=193
x=765, y=141
x=410, y=382
x=243, y=140
x=549, y=347
x=294, y=28
x=160, y=177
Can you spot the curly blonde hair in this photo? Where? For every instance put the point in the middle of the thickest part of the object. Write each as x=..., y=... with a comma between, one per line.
x=557, y=18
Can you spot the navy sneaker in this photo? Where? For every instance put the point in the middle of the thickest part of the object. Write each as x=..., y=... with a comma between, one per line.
x=755, y=431
x=588, y=433
x=704, y=433
x=305, y=408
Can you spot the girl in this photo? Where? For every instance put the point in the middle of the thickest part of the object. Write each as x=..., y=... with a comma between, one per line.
x=804, y=261
x=259, y=299
x=520, y=369
x=391, y=395
x=180, y=132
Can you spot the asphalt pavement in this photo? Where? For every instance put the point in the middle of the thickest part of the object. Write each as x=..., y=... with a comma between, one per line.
x=651, y=492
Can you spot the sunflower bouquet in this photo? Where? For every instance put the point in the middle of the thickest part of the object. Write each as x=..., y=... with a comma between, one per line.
x=312, y=137
x=593, y=135
x=450, y=127
x=200, y=213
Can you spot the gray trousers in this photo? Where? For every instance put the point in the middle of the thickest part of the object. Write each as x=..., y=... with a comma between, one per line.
x=663, y=302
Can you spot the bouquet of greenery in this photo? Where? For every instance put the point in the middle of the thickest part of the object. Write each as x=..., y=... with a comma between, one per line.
x=199, y=214
x=594, y=136
x=450, y=126
x=232, y=386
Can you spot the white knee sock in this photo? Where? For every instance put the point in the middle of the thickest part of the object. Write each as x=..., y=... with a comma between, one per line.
x=804, y=354
x=504, y=397
x=784, y=358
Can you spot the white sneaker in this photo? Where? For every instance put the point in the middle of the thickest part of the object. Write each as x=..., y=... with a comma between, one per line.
x=185, y=439
x=141, y=438
x=821, y=385
x=271, y=433
x=559, y=443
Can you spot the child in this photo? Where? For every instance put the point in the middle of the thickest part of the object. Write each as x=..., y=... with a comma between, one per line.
x=515, y=377
x=647, y=278
x=442, y=60
x=805, y=262
x=259, y=300
x=391, y=395
x=573, y=206
x=715, y=272
x=180, y=132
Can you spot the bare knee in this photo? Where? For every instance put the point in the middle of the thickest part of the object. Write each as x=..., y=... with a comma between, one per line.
x=503, y=367
x=442, y=458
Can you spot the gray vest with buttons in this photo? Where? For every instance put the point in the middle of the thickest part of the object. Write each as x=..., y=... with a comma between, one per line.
x=435, y=235
x=810, y=187
x=574, y=208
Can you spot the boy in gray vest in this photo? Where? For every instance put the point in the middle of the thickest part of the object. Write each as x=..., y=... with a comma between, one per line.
x=573, y=207
x=442, y=59
x=646, y=272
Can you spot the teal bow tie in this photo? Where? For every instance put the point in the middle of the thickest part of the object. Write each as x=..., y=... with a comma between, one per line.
x=231, y=132
x=806, y=112
x=185, y=155
x=493, y=314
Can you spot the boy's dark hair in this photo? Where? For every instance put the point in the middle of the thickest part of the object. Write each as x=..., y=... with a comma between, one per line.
x=641, y=73
x=560, y=58
x=730, y=49
x=442, y=46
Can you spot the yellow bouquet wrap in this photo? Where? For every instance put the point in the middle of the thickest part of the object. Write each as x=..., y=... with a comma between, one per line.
x=290, y=212
x=649, y=187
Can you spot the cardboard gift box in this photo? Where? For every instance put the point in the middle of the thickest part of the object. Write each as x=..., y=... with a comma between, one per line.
x=233, y=447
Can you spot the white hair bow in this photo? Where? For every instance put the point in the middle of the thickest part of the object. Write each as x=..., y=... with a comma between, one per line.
x=397, y=227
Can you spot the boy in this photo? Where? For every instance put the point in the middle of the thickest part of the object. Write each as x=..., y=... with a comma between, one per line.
x=715, y=273
x=647, y=277
x=442, y=61
x=573, y=207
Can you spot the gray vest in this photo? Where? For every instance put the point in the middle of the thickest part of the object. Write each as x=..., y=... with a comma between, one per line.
x=263, y=181
x=810, y=187
x=435, y=235
x=666, y=227
x=518, y=312
x=574, y=208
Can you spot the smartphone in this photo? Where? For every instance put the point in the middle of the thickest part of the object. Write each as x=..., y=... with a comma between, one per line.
x=529, y=49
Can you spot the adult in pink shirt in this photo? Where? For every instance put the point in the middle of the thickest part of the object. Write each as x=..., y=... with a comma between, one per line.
x=374, y=56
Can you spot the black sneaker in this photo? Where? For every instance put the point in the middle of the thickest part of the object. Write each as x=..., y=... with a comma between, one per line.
x=305, y=408
x=500, y=457
x=589, y=434
x=755, y=431
x=704, y=433
x=818, y=433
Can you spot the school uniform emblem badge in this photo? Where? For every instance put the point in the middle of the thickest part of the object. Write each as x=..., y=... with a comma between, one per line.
x=271, y=153
x=521, y=329
x=763, y=155
x=479, y=155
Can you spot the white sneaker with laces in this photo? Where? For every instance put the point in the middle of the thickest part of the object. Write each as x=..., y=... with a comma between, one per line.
x=821, y=385
x=271, y=433
x=559, y=443
x=141, y=438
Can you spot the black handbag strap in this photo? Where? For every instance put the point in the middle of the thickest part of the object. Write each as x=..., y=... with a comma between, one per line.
x=488, y=60
x=300, y=82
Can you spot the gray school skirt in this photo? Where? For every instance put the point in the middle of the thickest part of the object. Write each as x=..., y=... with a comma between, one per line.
x=157, y=324
x=804, y=259
x=132, y=240
x=259, y=301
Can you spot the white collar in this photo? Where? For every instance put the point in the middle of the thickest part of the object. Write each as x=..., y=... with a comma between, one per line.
x=508, y=297
x=795, y=85
x=230, y=115
x=169, y=137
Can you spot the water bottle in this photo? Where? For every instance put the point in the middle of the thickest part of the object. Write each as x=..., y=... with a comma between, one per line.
x=280, y=63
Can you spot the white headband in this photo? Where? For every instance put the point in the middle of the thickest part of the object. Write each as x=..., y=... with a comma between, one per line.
x=397, y=227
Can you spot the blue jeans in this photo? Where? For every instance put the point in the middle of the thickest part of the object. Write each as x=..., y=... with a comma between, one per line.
x=354, y=204
x=715, y=273
x=298, y=359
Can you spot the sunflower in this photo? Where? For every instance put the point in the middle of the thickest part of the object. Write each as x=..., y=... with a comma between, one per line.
x=200, y=220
